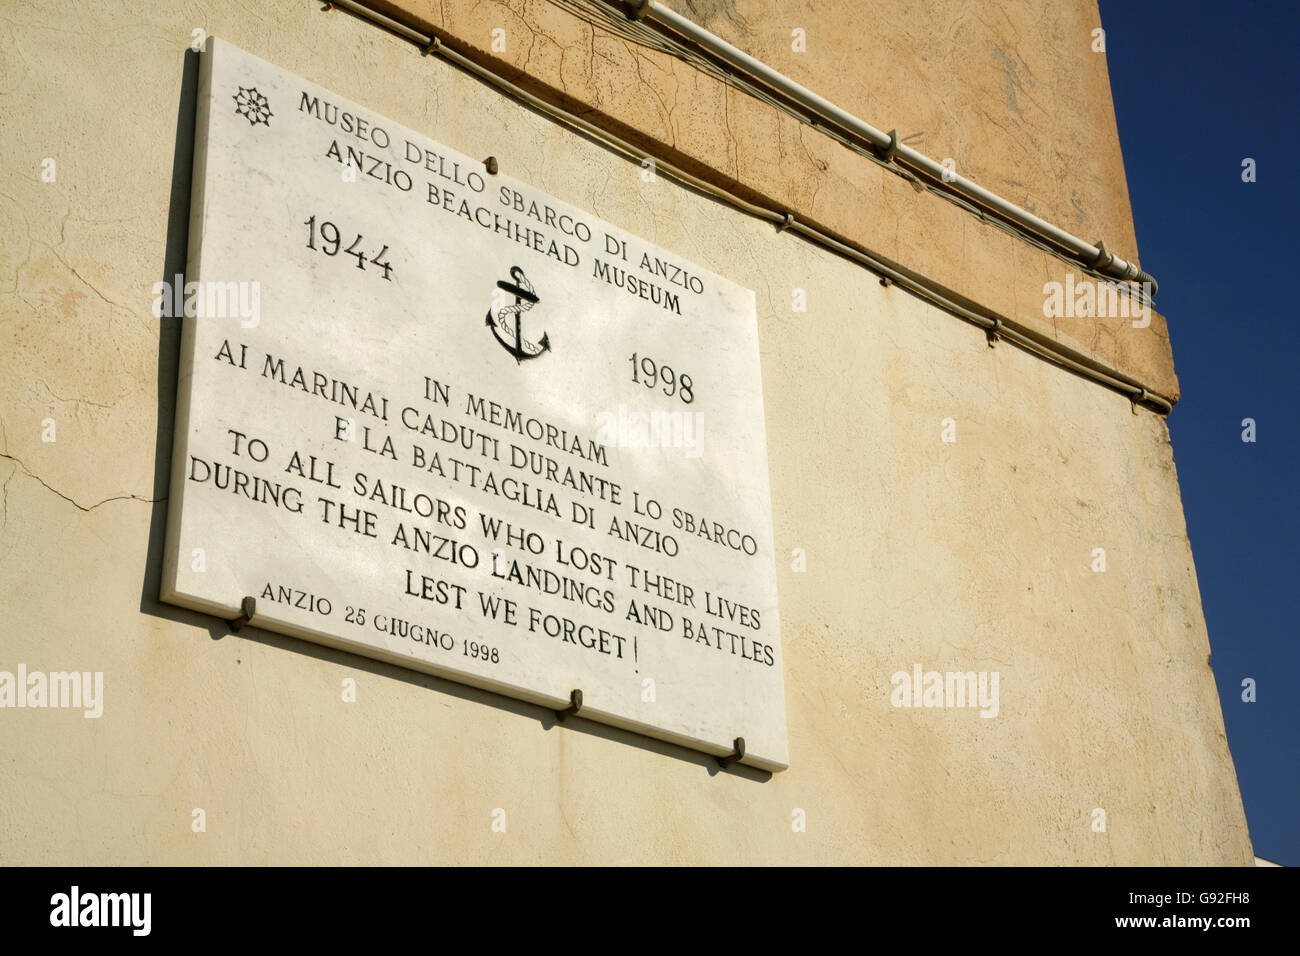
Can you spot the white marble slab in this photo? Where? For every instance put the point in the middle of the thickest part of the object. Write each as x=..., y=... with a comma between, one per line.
x=412, y=428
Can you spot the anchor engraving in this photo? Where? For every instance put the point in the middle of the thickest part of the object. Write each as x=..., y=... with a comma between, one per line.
x=511, y=337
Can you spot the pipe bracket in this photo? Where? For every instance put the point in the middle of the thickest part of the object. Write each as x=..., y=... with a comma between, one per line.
x=1104, y=257
x=890, y=151
x=994, y=332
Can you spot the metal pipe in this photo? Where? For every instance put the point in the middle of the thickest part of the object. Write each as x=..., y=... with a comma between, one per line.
x=1094, y=257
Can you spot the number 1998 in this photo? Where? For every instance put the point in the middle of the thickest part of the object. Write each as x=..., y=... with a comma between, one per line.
x=646, y=371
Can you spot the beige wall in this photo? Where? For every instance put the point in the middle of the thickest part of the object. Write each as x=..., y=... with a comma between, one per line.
x=973, y=555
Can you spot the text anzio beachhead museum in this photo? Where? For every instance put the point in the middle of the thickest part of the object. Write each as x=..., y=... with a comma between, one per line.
x=433, y=416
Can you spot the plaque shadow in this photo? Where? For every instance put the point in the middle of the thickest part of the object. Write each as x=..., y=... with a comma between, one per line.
x=169, y=351
x=169, y=345
x=546, y=717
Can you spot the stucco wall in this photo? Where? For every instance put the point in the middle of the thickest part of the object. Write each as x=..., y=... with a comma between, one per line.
x=965, y=555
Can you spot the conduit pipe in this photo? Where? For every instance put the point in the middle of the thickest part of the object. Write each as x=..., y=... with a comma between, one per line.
x=887, y=146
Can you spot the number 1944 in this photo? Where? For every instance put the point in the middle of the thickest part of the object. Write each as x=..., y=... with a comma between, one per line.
x=326, y=238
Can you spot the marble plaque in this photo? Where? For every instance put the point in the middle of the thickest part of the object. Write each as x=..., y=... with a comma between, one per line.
x=434, y=416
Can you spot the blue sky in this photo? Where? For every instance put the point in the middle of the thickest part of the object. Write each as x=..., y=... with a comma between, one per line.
x=1199, y=87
